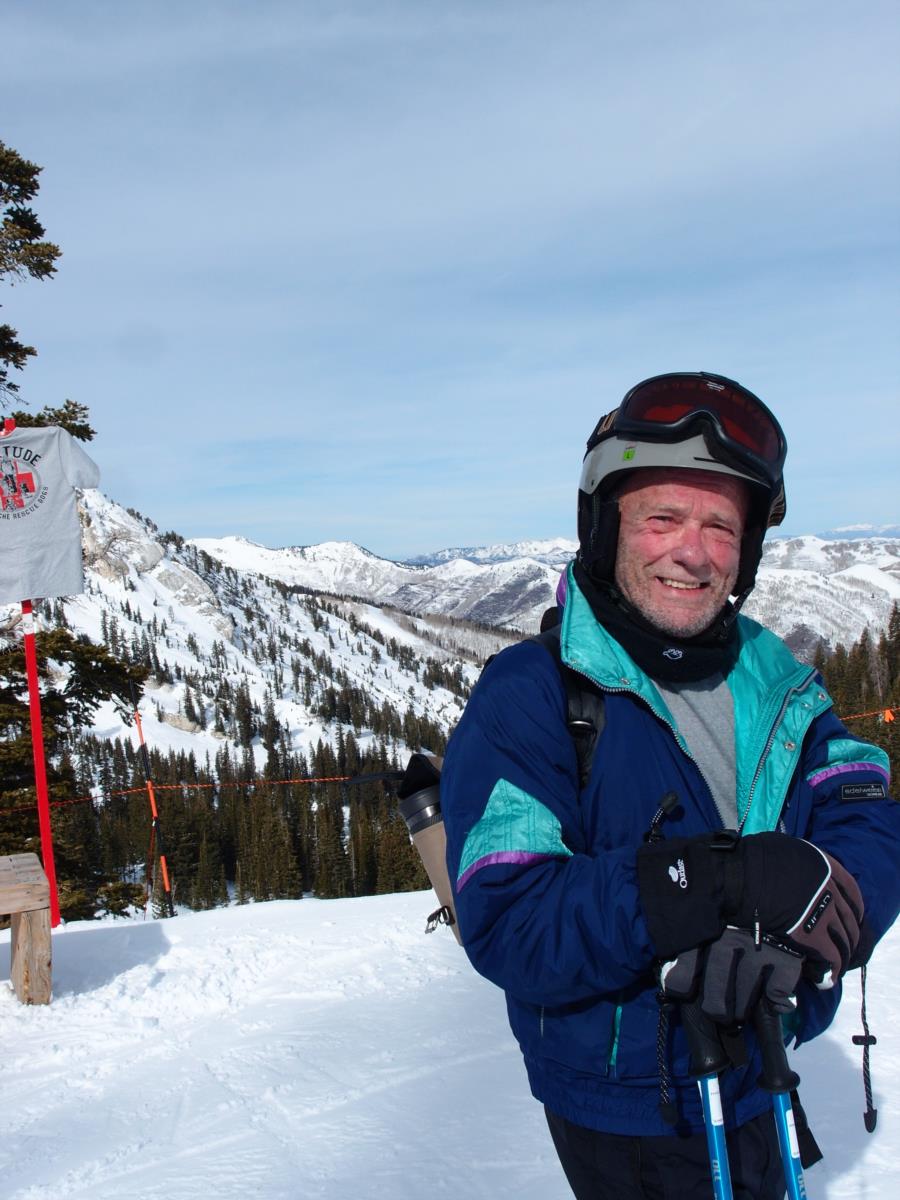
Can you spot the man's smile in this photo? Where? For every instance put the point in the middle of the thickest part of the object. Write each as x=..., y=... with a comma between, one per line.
x=682, y=584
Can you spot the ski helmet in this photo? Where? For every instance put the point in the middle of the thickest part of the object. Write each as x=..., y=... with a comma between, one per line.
x=686, y=419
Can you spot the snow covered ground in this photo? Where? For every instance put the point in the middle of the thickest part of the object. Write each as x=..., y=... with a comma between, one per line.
x=317, y=1048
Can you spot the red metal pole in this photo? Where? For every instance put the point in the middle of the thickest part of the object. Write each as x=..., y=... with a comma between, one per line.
x=40, y=764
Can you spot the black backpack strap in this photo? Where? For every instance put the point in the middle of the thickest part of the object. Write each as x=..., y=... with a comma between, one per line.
x=585, y=705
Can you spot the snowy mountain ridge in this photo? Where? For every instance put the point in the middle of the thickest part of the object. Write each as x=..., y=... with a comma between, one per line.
x=849, y=585
x=857, y=531
x=553, y=552
x=306, y=629
x=316, y=662
x=503, y=589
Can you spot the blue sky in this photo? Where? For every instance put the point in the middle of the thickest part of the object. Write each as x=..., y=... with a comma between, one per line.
x=371, y=271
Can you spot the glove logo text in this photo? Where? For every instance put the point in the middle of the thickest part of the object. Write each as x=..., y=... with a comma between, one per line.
x=813, y=918
x=678, y=874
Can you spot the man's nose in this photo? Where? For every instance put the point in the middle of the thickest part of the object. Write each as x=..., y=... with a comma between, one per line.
x=691, y=548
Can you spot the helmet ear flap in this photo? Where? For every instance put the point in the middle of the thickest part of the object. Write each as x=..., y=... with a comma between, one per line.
x=751, y=553
x=598, y=535
x=777, y=507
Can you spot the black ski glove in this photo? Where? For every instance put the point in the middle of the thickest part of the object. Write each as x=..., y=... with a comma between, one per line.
x=733, y=974
x=692, y=887
x=804, y=895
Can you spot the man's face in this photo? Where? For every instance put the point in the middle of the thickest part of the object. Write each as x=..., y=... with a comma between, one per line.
x=679, y=546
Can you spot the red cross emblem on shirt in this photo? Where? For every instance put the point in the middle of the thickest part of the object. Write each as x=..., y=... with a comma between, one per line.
x=14, y=485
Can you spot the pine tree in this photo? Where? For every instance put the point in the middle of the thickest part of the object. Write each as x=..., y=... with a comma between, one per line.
x=240, y=891
x=864, y=679
x=24, y=253
x=286, y=882
x=363, y=848
x=892, y=653
x=159, y=904
x=243, y=715
x=332, y=867
x=399, y=866
x=208, y=890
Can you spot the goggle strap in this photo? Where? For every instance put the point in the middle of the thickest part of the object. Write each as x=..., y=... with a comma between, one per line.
x=604, y=426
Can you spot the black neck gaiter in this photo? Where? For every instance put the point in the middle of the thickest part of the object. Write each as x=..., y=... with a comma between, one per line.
x=661, y=655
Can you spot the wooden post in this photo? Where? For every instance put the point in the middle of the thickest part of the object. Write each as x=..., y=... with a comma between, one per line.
x=25, y=895
x=30, y=956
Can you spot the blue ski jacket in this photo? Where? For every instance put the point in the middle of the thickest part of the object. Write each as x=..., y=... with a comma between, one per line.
x=544, y=876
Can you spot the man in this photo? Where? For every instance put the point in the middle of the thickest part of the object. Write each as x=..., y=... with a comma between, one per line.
x=709, y=726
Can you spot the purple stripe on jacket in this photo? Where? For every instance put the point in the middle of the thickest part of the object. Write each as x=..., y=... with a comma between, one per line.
x=499, y=856
x=562, y=588
x=843, y=768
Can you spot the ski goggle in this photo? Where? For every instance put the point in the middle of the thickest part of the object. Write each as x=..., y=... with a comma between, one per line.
x=666, y=408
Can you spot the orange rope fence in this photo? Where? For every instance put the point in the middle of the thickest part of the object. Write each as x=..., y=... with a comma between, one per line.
x=160, y=787
x=887, y=715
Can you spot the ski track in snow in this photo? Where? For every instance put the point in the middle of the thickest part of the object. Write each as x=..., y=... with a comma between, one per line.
x=329, y=1049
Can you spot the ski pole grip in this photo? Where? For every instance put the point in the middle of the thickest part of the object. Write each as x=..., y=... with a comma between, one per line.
x=708, y=1055
x=776, y=1075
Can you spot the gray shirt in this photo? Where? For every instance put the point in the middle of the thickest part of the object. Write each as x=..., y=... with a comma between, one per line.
x=40, y=536
x=704, y=714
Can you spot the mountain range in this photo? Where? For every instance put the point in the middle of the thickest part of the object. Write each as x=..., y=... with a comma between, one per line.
x=808, y=588
x=299, y=626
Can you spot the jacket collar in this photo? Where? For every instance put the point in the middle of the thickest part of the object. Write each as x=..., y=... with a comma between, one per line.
x=589, y=648
x=776, y=699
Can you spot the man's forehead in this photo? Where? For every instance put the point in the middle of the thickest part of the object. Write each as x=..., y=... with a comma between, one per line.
x=681, y=480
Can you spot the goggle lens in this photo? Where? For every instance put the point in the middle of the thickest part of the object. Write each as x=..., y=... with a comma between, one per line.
x=742, y=417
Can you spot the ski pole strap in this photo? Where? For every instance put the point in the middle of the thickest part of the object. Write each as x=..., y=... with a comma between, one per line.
x=810, y=1153
x=866, y=1040
x=374, y=777
x=668, y=1110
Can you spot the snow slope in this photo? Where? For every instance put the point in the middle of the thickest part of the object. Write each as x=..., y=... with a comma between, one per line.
x=241, y=626
x=306, y=1049
x=511, y=590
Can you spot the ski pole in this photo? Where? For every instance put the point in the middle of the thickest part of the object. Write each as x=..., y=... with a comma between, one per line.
x=708, y=1058
x=778, y=1078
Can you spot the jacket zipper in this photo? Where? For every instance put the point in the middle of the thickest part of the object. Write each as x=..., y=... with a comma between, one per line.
x=614, y=1048
x=798, y=687
x=614, y=1045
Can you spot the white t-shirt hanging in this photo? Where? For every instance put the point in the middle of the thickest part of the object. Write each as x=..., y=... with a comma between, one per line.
x=40, y=536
